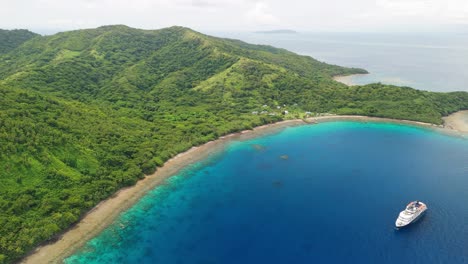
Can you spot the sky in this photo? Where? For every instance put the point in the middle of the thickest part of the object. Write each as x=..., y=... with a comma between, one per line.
x=238, y=15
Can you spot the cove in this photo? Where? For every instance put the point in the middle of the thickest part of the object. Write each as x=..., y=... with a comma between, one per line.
x=325, y=193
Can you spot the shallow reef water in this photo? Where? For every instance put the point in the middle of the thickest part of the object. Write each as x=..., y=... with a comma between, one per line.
x=334, y=199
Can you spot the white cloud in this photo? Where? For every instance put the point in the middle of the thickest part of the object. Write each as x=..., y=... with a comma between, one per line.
x=260, y=13
x=206, y=3
x=408, y=7
x=322, y=15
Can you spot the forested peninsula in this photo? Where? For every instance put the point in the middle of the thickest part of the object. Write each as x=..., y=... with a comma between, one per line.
x=84, y=113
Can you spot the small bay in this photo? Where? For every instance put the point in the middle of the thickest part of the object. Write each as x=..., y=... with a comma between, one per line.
x=435, y=61
x=325, y=193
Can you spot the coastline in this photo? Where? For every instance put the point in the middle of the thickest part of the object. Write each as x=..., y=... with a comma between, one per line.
x=347, y=79
x=108, y=210
x=457, y=121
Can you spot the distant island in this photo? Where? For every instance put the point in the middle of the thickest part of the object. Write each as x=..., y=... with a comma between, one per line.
x=278, y=31
x=85, y=113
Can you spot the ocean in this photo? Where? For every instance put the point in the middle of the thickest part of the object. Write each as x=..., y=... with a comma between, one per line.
x=324, y=193
x=426, y=61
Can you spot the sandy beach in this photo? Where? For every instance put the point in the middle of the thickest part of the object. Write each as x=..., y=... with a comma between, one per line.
x=457, y=121
x=346, y=79
x=107, y=211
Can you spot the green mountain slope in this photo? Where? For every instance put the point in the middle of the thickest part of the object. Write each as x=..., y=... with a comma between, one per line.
x=10, y=39
x=85, y=113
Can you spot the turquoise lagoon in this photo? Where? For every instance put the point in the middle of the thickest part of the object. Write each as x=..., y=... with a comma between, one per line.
x=326, y=193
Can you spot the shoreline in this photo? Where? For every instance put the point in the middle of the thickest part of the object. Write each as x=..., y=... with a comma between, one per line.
x=103, y=214
x=347, y=79
x=457, y=121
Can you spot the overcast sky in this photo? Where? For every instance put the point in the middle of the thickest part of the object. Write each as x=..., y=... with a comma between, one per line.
x=242, y=15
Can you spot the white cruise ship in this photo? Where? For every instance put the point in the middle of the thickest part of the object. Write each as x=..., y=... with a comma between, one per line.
x=412, y=212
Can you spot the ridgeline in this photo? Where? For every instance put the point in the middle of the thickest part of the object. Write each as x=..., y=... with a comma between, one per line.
x=87, y=112
x=10, y=39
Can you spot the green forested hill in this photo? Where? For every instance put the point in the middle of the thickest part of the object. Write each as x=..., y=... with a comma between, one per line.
x=84, y=113
x=10, y=39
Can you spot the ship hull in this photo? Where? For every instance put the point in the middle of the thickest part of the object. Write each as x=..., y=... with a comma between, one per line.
x=411, y=214
x=412, y=221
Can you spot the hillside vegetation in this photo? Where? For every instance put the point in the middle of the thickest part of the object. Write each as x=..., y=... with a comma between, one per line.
x=10, y=39
x=85, y=113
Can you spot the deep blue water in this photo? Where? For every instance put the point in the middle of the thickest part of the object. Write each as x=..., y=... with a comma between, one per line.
x=425, y=61
x=333, y=199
